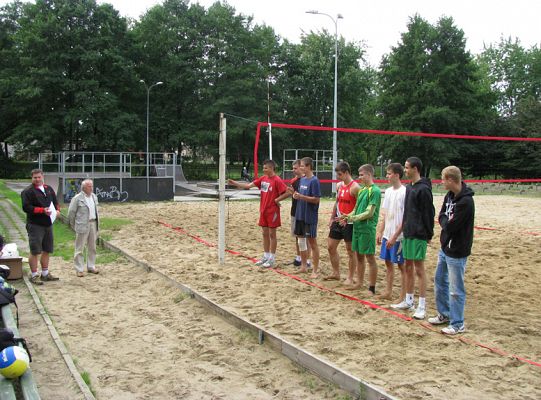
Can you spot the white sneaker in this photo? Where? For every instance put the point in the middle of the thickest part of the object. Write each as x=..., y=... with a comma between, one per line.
x=420, y=313
x=261, y=262
x=438, y=320
x=403, y=305
x=452, y=330
x=268, y=264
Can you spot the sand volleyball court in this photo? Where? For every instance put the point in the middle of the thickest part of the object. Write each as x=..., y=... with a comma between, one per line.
x=404, y=358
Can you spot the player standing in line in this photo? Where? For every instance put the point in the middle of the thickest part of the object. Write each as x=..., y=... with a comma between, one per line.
x=418, y=228
x=389, y=234
x=346, y=197
x=456, y=219
x=271, y=187
x=306, y=215
x=294, y=184
x=365, y=220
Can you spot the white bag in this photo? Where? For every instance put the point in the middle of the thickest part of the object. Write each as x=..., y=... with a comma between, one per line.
x=10, y=251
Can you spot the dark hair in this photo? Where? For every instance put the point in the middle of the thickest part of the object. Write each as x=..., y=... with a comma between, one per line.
x=367, y=168
x=343, y=167
x=307, y=161
x=396, y=168
x=297, y=162
x=36, y=171
x=270, y=163
x=415, y=162
x=1, y=242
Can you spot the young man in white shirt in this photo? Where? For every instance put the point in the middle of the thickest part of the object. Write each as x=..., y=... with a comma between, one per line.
x=389, y=234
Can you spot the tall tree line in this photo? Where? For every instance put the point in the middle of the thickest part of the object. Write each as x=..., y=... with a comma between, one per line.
x=71, y=71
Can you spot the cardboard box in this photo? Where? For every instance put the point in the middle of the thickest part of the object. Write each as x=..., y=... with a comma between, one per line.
x=15, y=265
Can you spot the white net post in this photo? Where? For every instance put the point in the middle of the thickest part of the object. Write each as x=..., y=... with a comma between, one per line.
x=221, y=192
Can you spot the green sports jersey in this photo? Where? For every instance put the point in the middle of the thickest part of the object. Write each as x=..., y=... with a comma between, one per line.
x=369, y=195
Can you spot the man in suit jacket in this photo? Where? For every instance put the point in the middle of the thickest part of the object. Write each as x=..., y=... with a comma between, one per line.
x=83, y=218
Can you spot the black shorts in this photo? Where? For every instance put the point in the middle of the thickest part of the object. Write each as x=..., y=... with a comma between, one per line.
x=340, y=232
x=40, y=238
x=305, y=230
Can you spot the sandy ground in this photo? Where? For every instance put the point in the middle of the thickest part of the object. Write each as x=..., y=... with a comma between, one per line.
x=139, y=338
x=403, y=357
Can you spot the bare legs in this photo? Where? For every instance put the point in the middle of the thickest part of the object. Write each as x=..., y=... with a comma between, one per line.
x=33, y=261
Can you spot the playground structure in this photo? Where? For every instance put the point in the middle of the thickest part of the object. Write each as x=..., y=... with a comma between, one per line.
x=322, y=163
x=118, y=176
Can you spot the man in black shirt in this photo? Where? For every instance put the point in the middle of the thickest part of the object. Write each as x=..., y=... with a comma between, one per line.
x=38, y=201
x=456, y=220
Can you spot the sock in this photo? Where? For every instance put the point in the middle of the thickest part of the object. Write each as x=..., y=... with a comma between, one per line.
x=422, y=302
x=308, y=262
x=372, y=289
x=266, y=255
x=409, y=298
x=272, y=256
x=44, y=272
x=35, y=274
x=297, y=258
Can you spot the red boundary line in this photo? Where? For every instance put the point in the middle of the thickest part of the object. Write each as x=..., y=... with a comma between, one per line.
x=425, y=325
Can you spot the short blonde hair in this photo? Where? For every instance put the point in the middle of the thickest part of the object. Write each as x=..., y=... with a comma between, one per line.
x=453, y=173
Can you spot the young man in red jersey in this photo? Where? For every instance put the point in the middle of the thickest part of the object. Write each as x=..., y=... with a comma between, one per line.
x=346, y=197
x=271, y=187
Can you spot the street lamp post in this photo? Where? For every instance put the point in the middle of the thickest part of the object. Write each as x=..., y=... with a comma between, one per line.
x=335, y=114
x=148, y=115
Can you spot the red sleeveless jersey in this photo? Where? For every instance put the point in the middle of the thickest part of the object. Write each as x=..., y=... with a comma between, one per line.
x=346, y=201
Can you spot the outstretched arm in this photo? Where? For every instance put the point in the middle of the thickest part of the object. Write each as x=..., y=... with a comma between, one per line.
x=241, y=185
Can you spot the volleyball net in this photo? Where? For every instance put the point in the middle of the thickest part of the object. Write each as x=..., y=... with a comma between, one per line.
x=490, y=159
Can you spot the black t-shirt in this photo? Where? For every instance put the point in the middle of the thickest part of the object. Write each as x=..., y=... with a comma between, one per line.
x=295, y=182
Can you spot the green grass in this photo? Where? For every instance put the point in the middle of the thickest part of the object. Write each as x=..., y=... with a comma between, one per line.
x=113, y=224
x=10, y=194
x=180, y=297
x=86, y=378
x=64, y=240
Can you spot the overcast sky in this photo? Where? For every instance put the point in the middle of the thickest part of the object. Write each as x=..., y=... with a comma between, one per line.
x=379, y=23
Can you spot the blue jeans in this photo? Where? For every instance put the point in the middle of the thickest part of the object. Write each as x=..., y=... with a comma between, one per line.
x=449, y=288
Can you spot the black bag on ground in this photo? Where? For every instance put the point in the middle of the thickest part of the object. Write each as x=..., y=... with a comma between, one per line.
x=7, y=296
x=7, y=339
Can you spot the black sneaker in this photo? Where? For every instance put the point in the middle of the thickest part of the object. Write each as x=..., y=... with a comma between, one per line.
x=49, y=277
x=296, y=263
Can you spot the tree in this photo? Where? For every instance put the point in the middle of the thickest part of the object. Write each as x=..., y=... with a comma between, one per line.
x=74, y=79
x=514, y=74
x=429, y=83
x=211, y=61
x=306, y=87
x=9, y=65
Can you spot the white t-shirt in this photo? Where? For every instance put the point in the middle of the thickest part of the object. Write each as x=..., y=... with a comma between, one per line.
x=393, y=204
x=91, y=206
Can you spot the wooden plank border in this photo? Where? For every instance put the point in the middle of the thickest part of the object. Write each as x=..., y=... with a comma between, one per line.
x=320, y=367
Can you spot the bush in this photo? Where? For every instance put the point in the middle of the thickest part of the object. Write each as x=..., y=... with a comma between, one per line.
x=10, y=169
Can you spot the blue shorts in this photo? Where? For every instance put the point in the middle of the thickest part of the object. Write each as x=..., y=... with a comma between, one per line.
x=394, y=254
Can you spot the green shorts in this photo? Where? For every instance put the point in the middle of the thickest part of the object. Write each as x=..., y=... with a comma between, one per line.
x=364, y=242
x=414, y=249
